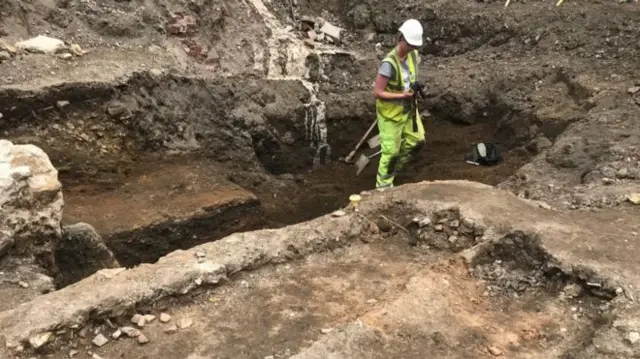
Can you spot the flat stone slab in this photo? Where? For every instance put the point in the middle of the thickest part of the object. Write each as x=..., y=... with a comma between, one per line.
x=170, y=206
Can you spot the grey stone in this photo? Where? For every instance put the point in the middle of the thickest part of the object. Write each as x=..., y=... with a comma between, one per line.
x=117, y=334
x=80, y=253
x=100, y=340
x=339, y=213
x=39, y=340
x=572, y=290
x=171, y=329
x=31, y=200
x=622, y=173
x=331, y=30
x=455, y=223
x=633, y=90
x=165, y=318
x=142, y=339
x=425, y=222
x=453, y=239
x=62, y=104
x=130, y=332
x=633, y=337
x=41, y=44
x=495, y=351
x=149, y=318
x=185, y=323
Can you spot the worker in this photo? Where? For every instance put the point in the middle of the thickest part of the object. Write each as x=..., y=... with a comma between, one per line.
x=399, y=124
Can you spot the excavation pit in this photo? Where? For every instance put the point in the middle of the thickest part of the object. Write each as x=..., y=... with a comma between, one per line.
x=167, y=162
x=175, y=203
x=387, y=299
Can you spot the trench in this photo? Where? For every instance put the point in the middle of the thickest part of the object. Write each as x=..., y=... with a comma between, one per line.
x=525, y=297
x=162, y=164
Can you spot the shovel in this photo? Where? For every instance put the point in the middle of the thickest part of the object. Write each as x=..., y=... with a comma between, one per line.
x=374, y=141
x=363, y=161
x=353, y=152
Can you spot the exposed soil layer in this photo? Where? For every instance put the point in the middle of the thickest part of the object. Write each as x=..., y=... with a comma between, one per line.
x=164, y=206
x=414, y=303
x=528, y=295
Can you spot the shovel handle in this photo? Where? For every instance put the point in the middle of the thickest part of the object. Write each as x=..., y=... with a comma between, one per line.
x=348, y=159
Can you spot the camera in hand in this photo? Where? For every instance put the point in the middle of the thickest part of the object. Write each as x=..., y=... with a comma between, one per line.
x=419, y=89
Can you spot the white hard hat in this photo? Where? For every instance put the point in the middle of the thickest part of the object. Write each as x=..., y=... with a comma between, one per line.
x=412, y=32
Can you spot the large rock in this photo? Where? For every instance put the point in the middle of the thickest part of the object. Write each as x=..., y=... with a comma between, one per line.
x=41, y=44
x=80, y=253
x=30, y=201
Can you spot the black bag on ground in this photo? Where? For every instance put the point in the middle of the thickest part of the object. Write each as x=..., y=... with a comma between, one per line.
x=485, y=154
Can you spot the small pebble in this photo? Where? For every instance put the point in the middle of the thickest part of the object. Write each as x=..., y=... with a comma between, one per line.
x=130, y=332
x=339, y=213
x=100, y=340
x=185, y=323
x=117, y=334
x=172, y=329
x=164, y=317
x=495, y=351
x=142, y=339
x=149, y=318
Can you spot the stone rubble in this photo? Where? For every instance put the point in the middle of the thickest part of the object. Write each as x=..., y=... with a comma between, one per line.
x=117, y=334
x=185, y=323
x=38, y=341
x=139, y=320
x=100, y=340
x=142, y=339
x=331, y=31
x=41, y=44
x=130, y=332
x=164, y=317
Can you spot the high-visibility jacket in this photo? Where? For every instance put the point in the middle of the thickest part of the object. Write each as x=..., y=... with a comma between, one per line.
x=398, y=110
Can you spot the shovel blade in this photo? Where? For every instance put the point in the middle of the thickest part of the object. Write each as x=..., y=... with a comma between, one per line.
x=361, y=163
x=374, y=141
